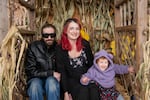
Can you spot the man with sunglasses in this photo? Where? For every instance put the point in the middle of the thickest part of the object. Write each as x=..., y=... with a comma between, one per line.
x=40, y=66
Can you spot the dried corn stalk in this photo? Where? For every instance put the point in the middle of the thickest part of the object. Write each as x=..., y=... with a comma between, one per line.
x=42, y=10
x=143, y=75
x=20, y=15
x=58, y=10
x=10, y=62
x=97, y=18
x=125, y=40
x=92, y=14
x=63, y=9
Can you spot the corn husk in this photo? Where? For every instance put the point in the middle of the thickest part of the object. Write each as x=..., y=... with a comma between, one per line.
x=10, y=62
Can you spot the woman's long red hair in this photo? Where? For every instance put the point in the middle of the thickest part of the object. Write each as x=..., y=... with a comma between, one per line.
x=64, y=39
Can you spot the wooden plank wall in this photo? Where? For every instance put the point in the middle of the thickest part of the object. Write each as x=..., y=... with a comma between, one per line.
x=4, y=20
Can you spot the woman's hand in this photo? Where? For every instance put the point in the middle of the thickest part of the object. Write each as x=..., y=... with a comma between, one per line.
x=67, y=96
x=85, y=80
x=70, y=97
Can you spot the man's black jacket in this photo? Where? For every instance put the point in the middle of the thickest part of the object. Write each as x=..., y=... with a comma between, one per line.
x=40, y=60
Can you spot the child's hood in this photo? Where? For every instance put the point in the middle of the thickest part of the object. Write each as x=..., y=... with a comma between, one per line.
x=103, y=53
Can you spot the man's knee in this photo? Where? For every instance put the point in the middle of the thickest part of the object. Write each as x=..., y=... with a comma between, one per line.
x=52, y=84
x=35, y=84
x=35, y=81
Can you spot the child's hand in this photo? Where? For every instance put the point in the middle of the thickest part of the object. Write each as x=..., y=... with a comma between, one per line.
x=85, y=79
x=131, y=69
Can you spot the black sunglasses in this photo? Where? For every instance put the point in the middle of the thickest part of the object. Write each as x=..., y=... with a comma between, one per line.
x=46, y=35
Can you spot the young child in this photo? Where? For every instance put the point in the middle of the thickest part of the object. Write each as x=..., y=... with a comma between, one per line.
x=103, y=73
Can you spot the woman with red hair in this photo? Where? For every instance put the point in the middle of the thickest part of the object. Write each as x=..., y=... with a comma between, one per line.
x=74, y=57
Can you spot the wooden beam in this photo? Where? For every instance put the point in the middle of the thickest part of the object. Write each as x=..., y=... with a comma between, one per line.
x=141, y=25
x=27, y=32
x=117, y=17
x=126, y=28
x=120, y=2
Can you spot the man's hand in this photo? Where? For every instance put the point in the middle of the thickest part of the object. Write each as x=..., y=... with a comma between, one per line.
x=57, y=75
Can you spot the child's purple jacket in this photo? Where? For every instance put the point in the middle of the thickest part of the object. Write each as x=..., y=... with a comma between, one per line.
x=105, y=78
